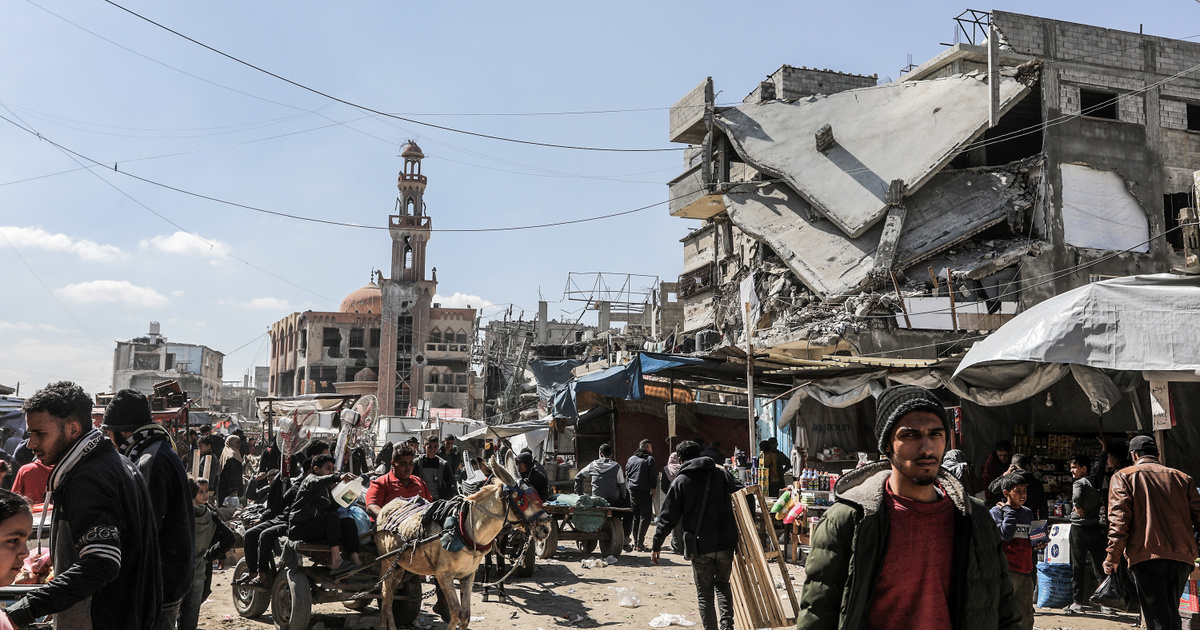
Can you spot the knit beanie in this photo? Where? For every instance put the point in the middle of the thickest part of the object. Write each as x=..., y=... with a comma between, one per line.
x=894, y=402
x=127, y=412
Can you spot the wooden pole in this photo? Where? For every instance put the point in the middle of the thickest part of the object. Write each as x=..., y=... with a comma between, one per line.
x=750, y=385
x=900, y=296
x=953, y=310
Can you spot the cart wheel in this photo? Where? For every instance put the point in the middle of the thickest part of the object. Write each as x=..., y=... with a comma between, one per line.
x=613, y=537
x=291, y=600
x=525, y=562
x=407, y=604
x=545, y=548
x=248, y=602
x=587, y=546
x=357, y=605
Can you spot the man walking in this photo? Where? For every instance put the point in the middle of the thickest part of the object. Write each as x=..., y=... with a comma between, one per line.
x=642, y=471
x=1153, y=518
x=994, y=468
x=699, y=500
x=452, y=455
x=102, y=538
x=136, y=435
x=904, y=546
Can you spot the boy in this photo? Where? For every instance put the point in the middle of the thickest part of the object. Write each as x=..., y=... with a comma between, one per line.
x=213, y=540
x=1014, y=519
x=313, y=516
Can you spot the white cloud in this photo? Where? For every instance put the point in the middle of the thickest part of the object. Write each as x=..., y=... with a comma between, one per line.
x=185, y=244
x=267, y=303
x=27, y=327
x=119, y=291
x=461, y=300
x=177, y=293
x=37, y=238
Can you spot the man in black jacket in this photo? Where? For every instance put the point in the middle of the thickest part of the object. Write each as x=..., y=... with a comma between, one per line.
x=434, y=471
x=530, y=474
x=102, y=539
x=131, y=427
x=711, y=520
x=641, y=470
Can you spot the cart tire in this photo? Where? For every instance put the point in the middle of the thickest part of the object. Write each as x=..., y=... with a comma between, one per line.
x=291, y=600
x=357, y=605
x=545, y=548
x=248, y=602
x=587, y=546
x=614, y=542
x=407, y=604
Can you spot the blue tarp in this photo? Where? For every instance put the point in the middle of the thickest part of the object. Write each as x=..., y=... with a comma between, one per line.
x=551, y=375
x=11, y=415
x=618, y=381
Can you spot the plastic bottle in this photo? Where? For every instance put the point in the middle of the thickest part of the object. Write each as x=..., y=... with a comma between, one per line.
x=347, y=492
x=781, y=501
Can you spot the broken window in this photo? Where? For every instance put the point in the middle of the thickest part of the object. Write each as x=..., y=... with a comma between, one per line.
x=1193, y=117
x=374, y=337
x=697, y=280
x=434, y=378
x=331, y=340
x=356, y=337
x=1098, y=104
x=1172, y=204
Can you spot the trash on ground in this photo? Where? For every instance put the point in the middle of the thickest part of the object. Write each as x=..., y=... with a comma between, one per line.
x=628, y=597
x=665, y=619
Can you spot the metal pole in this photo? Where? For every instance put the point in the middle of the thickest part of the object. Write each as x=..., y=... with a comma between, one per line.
x=750, y=386
x=953, y=310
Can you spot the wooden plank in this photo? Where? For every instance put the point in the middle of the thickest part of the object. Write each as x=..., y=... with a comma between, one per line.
x=775, y=554
x=754, y=585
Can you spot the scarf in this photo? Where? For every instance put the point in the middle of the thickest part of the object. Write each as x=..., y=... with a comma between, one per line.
x=954, y=462
x=62, y=470
x=233, y=450
x=674, y=463
x=137, y=441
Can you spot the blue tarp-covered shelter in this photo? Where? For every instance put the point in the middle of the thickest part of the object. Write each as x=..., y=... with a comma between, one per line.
x=11, y=415
x=618, y=381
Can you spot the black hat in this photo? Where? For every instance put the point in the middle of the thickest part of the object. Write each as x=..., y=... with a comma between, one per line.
x=1143, y=445
x=896, y=401
x=525, y=458
x=127, y=411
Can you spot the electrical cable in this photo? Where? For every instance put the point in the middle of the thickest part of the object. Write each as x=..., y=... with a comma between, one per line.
x=382, y=113
x=75, y=155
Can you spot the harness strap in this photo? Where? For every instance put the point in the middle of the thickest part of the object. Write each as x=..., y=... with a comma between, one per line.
x=467, y=540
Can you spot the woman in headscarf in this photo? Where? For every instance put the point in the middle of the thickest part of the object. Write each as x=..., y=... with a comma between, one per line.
x=230, y=482
x=955, y=462
x=669, y=472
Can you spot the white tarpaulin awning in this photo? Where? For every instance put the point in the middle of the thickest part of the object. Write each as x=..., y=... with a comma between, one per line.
x=508, y=430
x=1096, y=332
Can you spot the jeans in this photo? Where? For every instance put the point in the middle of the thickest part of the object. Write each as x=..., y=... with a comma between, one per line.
x=643, y=513
x=1023, y=593
x=189, y=608
x=711, y=571
x=1087, y=541
x=260, y=541
x=1159, y=586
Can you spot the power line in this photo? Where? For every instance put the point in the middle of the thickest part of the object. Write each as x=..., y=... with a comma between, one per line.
x=75, y=155
x=382, y=113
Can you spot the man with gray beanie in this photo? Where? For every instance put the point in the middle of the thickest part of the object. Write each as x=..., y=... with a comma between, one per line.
x=904, y=546
x=132, y=429
x=1153, y=519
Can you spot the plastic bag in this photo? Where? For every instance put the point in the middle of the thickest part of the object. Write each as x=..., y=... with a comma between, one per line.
x=664, y=620
x=1117, y=592
x=628, y=597
x=1054, y=585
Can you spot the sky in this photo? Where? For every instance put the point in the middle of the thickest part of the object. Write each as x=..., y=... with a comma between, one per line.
x=128, y=153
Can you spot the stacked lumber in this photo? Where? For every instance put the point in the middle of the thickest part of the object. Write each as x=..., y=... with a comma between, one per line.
x=756, y=603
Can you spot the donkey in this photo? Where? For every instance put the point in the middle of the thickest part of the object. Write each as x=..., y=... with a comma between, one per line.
x=505, y=500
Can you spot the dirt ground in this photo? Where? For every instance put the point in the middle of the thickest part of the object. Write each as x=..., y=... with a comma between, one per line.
x=564, y=594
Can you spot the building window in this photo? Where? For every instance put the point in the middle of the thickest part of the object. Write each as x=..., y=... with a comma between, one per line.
x=462, y=337
x=356, y=337
x=374, y=337
x=460, y=379
x=331, y=340
x=435, y=336
x=1172, y=204
x=1098, y=104
x=1193, y=117
x=434, y=378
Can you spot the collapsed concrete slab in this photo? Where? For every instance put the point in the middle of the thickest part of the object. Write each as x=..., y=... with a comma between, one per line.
x=954, y=206
x=907, y=131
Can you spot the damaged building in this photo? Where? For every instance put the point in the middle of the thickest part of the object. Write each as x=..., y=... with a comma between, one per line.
x=388, y=338
x=144, y=361
x=892, y=218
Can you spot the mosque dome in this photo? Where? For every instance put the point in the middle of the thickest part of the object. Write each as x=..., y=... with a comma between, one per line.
x=368, y=299
x=410, y=150
x=366, y=375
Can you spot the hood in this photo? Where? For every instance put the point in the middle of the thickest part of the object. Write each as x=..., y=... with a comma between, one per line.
x=863, y=487
x=955, y=462
x=642, y=453
x=698, y=464
x=604, y=465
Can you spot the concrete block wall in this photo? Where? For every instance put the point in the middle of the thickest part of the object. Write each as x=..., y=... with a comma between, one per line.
x=792, y=82
x=1130, y=108
x=1068, y=99
x=1095, y=45
x=1173, y=114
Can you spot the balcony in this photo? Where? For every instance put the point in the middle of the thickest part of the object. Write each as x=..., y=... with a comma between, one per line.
x=689, y=196
x=447, y=350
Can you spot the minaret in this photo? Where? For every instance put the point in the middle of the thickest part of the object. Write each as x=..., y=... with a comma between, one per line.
x=410, y=225
x=408, y=294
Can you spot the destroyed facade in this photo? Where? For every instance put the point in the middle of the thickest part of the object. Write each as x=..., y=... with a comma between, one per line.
x=142, y=362
x=892, y=219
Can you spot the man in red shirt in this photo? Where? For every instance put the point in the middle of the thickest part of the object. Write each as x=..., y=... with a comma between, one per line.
x=904, y=546
x=31, y=481
x=398, y=483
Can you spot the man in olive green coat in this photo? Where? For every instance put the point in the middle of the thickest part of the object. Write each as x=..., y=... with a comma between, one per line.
x=904, y=546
